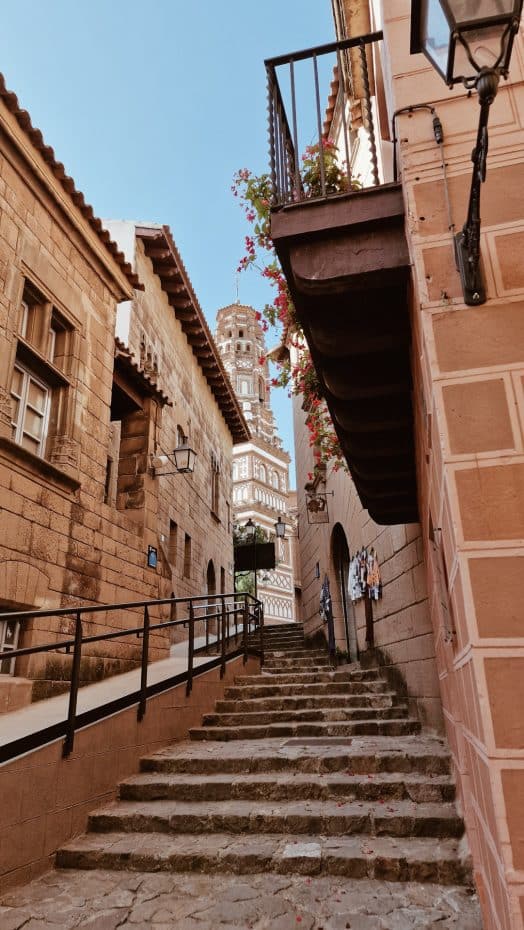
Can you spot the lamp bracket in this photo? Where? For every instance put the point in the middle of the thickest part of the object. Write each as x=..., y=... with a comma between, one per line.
x=467, y=241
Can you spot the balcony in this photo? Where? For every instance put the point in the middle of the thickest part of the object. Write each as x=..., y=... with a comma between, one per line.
x=344, y=253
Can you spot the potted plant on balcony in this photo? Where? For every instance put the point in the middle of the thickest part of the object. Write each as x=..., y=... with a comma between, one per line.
x=336, y=179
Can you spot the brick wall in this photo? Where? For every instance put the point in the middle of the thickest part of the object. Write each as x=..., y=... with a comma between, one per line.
x=60, y=544
x=404, y=643
x=468, y=392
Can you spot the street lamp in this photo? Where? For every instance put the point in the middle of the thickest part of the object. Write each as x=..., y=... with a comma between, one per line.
x=182, y=458
x=251, y=533
x=469, y=42
x=280, y=528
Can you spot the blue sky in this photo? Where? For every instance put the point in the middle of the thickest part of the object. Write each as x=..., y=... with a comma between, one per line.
x=153, y=107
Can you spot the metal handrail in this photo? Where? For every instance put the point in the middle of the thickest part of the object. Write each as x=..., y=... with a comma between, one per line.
x=250, y=608
x=286, y=181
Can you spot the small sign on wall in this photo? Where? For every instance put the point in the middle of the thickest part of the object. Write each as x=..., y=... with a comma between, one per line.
x=152, y=557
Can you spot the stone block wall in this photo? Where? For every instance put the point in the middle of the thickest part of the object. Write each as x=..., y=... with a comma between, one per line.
x=468, y=398
x=62, y=543
x=403, y=636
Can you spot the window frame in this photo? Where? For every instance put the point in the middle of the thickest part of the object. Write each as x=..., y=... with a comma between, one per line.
x=24, y=404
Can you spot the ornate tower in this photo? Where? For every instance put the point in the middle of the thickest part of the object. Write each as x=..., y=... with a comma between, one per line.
x=260, y=467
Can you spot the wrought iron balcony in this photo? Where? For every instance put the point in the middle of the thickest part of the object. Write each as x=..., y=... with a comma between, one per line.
x=338, y=229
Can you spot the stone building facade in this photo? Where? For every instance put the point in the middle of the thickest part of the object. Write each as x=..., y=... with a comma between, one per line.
x=450, y=623
x=260, y=466
x=75, y=527
x=402, y=633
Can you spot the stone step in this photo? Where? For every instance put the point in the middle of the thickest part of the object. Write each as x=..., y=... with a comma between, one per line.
x=282, y=665
x=421, y=755
x=314, y=701
x=270, y=688
x=275, y=654
x=387, y=859
x=326, y=715
x=309, y=677
x=328, y=818
x=382, y=787
x=356, y=728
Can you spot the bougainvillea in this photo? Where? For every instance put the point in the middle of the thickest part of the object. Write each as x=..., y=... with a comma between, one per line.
x=299, y=376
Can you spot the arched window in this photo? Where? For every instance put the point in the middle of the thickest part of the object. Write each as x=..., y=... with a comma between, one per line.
x=262, y=473
x=180, y=436
x=275, y=480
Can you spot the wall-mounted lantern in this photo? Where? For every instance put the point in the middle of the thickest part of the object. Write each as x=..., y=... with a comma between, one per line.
x=469, y=42
x=182, y=460
x=317, y=506
x=280, y=528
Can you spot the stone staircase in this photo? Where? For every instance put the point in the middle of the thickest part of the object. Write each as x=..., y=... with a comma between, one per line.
x=301, y=769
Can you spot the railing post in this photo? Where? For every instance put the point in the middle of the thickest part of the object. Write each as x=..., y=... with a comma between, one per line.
x=223, y=644
x=271, y=127
x=245, y=626
x=319, y=128
x=191, y=649
x=369, y=113
x=261, y=626
x=73, y=690
x=143, y=669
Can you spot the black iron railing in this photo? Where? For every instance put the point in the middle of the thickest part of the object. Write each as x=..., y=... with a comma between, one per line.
x=299, y=125
x=235, y=617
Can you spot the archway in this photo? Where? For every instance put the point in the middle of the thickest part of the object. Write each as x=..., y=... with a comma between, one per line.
x=340, y=559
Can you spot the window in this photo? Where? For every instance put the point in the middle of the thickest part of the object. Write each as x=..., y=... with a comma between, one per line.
x=262, y=473
x=241, y=334
x=243, y=468
x=235, y=471
x=172, y=545
x=215, y=484
x=9, y=630
x=181, y=437
x=39, y=380
x=187, y=556
x=30, y=411
x=275, y=480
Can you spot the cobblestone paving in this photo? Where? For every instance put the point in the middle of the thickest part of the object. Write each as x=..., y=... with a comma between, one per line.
x=137, y=901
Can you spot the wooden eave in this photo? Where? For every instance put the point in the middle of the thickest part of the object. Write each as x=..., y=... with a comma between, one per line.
x=160, y=248
x=132, y=378
x=346, y=261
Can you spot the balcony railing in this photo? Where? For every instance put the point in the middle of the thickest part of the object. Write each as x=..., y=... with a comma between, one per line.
x=236, y=617
x=339, y=79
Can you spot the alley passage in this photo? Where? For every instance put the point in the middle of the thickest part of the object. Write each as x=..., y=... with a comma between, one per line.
x=308, y=799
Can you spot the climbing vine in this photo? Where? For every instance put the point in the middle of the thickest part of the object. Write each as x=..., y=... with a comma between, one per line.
x=298, y=376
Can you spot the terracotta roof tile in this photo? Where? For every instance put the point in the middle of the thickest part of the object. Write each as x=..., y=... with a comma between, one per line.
x=160, y=247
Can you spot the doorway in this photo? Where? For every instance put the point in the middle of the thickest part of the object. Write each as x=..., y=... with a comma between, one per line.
x=341, y=560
